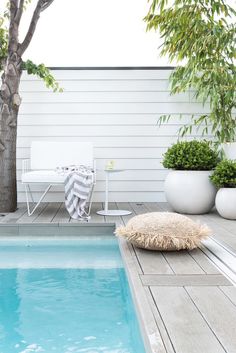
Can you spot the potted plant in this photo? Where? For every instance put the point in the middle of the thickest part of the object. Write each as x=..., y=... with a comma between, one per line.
x=224, y=178
x=200, y=36
x=188, y=188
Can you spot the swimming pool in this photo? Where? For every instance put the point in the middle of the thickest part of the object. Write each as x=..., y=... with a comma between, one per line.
x=66, y=296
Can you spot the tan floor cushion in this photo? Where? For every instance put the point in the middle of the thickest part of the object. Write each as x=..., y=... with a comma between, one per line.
x=163, y=231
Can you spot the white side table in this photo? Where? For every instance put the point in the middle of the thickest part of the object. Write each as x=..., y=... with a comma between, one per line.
x=106, y=211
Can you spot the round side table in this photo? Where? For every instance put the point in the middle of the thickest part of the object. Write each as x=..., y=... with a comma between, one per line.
x=106, y=211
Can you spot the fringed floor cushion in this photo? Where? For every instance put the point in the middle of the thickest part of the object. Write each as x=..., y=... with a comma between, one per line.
x=163, y=231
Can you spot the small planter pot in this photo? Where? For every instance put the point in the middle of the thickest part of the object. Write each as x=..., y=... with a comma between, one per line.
x=229, y=149
x=226, y=203
x=190, y=192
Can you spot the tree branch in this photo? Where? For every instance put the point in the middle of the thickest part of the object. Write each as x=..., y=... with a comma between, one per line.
x=41, y=6
x=13, y=10
x=13, y=27
x=47, y=3
x=19, y=11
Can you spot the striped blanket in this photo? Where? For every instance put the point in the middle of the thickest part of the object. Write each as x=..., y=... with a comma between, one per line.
x=78, y=187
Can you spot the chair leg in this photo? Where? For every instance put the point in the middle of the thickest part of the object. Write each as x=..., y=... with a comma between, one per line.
x=90, y=201
x=27, y=190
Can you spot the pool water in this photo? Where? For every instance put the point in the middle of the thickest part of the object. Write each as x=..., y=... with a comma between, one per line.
x=84, y=306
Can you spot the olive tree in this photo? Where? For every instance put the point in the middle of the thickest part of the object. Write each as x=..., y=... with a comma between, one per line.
x=201, y=36
x=11, y=66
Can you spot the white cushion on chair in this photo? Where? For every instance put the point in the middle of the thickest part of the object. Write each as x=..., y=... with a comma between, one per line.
x=43, y=176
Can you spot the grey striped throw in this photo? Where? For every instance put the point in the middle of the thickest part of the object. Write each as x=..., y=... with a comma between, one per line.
x=78, y=186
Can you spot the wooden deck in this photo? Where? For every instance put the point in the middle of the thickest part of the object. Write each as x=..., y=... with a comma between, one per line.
x=191, y=294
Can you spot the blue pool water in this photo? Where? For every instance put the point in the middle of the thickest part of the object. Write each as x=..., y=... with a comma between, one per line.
x=83, y=307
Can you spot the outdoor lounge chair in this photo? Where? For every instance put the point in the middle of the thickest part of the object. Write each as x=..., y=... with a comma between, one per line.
x=45, y=157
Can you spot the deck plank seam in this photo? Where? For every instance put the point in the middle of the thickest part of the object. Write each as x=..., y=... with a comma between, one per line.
x=203, y=317
x=234, y=304
x=169, y=263
x=162, y=320
x=189, y=252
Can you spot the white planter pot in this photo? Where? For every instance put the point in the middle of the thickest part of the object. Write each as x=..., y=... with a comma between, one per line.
x=190, y=192
x=229, y=149
x=226, y=202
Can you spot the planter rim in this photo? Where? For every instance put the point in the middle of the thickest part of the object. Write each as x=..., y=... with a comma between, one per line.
x=227, y=188
x=190, y=170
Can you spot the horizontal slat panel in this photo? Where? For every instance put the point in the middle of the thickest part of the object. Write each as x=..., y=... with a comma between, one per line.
x=106, y=74
x=99, y=85
x=105, y=97
x=106, y=131
x=133, y=108
x=109, y=141
x=113, y=152
x=93, y=119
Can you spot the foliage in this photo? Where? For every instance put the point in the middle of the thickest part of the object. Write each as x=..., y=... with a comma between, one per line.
x=224, y=176
x=201, y=34
x=42, y=72
x=32, y=69
x=191, y=155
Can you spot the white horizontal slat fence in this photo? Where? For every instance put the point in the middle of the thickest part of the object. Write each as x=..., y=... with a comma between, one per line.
x=118, y=111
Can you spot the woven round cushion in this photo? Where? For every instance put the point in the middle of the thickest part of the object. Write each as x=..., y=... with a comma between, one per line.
x=163, y=231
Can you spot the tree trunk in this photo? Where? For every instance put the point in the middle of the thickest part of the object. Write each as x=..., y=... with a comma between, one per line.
x=10, y=103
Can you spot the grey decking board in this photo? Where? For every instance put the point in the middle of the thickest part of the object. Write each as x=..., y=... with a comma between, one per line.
x=126, y=206
x=62, y=215
x=154, y=207
x=222, y=234
x=185, y=280
x=160, y=323
x=94, y=217
x=204, y=262
x=96, y=206
x=165, y=207
x=139, y=207
x=144, y=312
x=153, y=262
x=186, y=327
x=25, y=218
x=230, y=292
x=14, y=216
x=182, y=263
x=218, y=311
x=47, y=215
x=229, y=225
x=113, y=219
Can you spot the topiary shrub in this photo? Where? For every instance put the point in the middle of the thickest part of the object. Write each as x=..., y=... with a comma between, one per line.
x=191, y=155
x=224, y=176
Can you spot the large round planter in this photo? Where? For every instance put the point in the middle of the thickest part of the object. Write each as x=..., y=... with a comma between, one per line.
x=190, y=192
x=226, y=203
x=229, y=149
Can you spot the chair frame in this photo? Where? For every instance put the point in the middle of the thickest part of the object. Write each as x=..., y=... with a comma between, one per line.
x=28, y=192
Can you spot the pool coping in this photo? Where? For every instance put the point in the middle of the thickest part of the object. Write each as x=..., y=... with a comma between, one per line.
x=148, y=327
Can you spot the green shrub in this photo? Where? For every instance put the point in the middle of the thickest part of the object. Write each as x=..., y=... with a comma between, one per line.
x=191, y=155
x=224, y=176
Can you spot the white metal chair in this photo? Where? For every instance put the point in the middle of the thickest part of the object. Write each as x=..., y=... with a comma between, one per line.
x=45, y=157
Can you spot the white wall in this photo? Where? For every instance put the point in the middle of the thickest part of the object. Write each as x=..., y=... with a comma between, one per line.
x=115, y=109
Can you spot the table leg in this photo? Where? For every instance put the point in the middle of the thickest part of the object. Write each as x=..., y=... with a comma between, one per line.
x=107, y=192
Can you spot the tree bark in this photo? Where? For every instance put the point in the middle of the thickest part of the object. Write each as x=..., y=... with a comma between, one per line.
x=10, y=101
x=8, y=133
